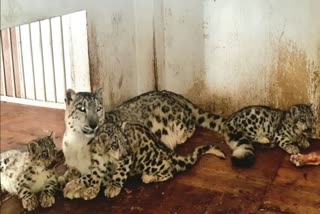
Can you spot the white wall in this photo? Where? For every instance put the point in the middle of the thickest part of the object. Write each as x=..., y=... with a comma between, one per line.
x=222, y=54
x=239, y=50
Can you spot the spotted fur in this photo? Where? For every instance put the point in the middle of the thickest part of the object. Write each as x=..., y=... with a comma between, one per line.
x=133, y=149
x=268, y=127
x=25, y=173
x=170, y=116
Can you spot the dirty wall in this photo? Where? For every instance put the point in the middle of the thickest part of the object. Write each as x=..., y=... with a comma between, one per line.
x=222, y=55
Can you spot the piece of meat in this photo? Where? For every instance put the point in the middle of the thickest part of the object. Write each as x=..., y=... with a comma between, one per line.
x=312, y=158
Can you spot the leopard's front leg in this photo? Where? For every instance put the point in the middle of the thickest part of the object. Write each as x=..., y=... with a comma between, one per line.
x=287, y=145
x=303, y=143
x=98, y=171
x=29, y=199
x=69, y=175
x=74, y=187
x=47, y=198
x=118, y=178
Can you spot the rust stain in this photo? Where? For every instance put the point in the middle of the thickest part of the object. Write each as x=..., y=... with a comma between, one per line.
x=314, y=94
x=94, y=60
x=155, y=59
x=200, y=94
x=295, y=79
x=289, y=76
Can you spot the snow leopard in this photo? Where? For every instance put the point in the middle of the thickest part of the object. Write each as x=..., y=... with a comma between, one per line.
x=25, y=173
x=267, y=127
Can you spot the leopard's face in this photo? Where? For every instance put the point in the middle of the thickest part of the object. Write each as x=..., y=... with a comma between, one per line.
x=84, y=112
x=303, y=118
x=114, y=142
x=42, y=151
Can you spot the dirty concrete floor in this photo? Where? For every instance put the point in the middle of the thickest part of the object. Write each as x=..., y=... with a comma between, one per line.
x=272, y=185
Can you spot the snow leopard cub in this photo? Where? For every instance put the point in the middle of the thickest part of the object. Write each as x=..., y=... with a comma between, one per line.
x=25, y=173
x=133, y=149
x=262, y=125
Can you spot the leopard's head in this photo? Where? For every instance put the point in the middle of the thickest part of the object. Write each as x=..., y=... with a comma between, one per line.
x=114, y=141
x=42, y=150
x=84, y=112
x=303, y=118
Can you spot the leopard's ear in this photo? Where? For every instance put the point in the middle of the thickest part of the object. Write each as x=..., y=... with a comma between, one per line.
x=294, y=111
x=70, y=95
x=99, y=93
x=51, y=135
x=33, y=147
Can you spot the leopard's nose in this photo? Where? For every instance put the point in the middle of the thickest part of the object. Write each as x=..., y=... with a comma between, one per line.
x=309, y=129
x=93, y=124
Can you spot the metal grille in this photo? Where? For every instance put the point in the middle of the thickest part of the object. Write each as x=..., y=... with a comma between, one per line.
x=37, y=62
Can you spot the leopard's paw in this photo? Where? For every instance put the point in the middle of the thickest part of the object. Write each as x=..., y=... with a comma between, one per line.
x=46, y=200
x=292, y=149
x=30, y=203
x=61, y=182
x=73, y=189
x=148, y=178
x=90, y=193
x=112, y=191
x=304, y=144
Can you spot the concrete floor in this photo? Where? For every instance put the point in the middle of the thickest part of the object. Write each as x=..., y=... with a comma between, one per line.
x=272, y=185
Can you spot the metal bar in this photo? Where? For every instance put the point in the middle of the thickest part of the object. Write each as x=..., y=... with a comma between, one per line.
x=32, y=63
x=14, y=94
x=22, y=65
x=39, y=103
x=53, y=67
x=63, y=59
x=42, y=61
x=2, y=67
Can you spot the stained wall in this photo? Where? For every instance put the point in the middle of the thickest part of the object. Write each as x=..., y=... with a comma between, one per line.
x=222, y=55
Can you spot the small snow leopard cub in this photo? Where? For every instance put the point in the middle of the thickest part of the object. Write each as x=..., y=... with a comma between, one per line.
x=262, y=125
x=133, y=149
x=25, y=173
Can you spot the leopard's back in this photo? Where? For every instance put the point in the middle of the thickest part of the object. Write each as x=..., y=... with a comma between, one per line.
x=12, y=164
x=171, y=117
x=255, y=122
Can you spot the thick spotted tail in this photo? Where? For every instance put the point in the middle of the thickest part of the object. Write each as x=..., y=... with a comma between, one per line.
x=243, y=151
x=207, y=120
x=183, y=163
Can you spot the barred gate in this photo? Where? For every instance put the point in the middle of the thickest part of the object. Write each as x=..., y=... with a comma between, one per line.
x=40, y=60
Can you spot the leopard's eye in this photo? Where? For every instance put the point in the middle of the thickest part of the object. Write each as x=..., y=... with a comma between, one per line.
x=114, y=146
x=82, y=109
x=45, y=154
x=303, y=118
x=99, y=108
